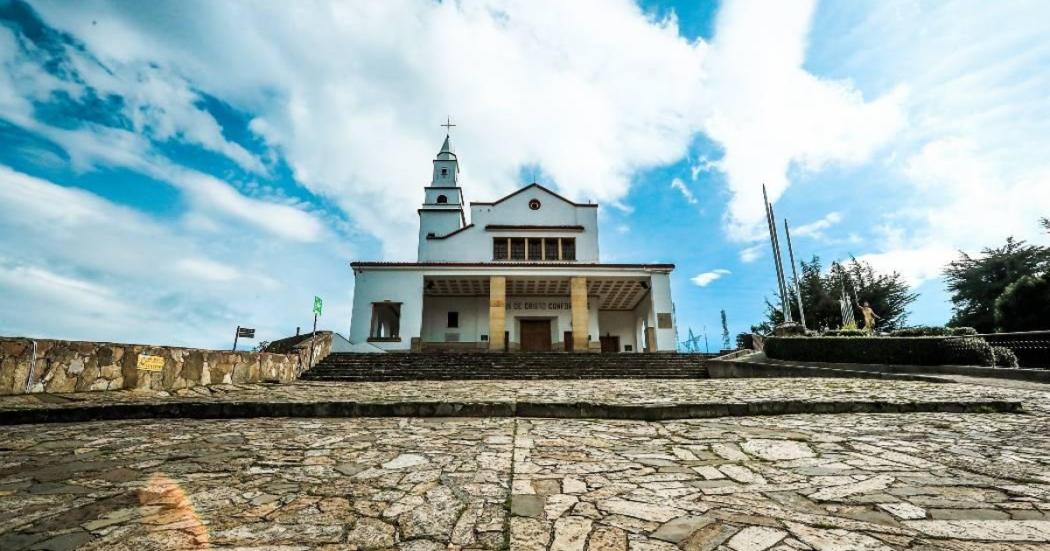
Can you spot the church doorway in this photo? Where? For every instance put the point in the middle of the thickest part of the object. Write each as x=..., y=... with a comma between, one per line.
x=535, y=335
x=610, y=344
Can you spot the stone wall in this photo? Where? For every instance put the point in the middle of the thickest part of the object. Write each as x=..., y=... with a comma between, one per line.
x=46, y=365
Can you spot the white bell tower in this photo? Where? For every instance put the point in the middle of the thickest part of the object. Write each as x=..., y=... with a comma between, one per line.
x=442, y=211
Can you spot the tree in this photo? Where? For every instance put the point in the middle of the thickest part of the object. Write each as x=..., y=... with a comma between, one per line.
x=1024, y=305
x=888, y=294
x=977, y=282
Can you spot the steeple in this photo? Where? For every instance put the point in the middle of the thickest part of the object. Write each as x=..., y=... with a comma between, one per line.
x=446, y=166
x=442, y=211
x=446, y=148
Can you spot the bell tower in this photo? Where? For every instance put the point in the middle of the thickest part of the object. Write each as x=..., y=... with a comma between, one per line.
x=442, y=211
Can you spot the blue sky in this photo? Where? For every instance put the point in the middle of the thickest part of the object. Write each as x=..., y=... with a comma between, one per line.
x=173, y=169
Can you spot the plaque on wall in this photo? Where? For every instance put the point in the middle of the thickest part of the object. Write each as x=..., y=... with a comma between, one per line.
x=146, y=362
x=663, y=320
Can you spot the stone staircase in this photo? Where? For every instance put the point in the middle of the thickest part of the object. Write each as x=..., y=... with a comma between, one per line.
x=346, y=366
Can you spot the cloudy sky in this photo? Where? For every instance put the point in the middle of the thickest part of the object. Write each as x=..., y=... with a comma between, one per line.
x=169, y=170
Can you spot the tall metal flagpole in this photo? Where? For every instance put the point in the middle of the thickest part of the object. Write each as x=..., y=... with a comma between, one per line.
x=788, y=316
x=774, y=242
x=794, y=274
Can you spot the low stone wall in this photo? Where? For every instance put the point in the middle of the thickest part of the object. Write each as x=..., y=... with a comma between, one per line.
x=47, y=365
x=743, y=369
x=1014, y=373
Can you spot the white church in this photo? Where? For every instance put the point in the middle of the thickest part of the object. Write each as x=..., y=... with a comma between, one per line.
x=519, y=274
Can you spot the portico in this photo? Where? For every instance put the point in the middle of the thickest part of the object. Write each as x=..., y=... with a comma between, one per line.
x=596, y=308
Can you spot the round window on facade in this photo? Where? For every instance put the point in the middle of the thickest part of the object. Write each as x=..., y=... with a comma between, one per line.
x=535, y=204
x=442, y=199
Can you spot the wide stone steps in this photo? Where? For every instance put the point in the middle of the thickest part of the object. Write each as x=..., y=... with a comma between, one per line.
x=344, y=366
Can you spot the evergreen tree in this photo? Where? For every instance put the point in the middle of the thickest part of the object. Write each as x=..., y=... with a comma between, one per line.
x=976, y=283
x=888, y=294
x=1024, y=305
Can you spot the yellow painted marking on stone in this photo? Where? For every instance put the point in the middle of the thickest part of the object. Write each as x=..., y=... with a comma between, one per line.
x=150, y=363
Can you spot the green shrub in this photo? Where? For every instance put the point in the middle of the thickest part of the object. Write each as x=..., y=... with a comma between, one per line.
x=846, y=333
x=967, y=351
x=934, y=331
x=1004, y=357
x=882, y=350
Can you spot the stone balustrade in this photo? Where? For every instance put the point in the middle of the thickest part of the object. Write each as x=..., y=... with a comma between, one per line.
x=47, y=365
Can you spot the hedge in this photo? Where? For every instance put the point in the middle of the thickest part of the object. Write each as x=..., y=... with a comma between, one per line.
x=1004, y=357
x=934, y=331
x=882, y=350
x=846, y=333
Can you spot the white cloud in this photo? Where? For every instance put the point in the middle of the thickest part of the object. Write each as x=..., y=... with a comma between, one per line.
x=157, y=103
x=351, y=93
x=207, y=269
x=706, y=278
x=751, y=254
x=700, y=166
x=963, y=200
x=686, y=193
x=769, y=114
x=530, y=83
x=35, y=295
x=816, y=228
x=915, y=264
x=160, y=105
x=96, y=146
x=973, y=164
x=117, y=274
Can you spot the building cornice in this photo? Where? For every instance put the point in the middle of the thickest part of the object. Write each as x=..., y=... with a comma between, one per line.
x=502, y=227
x=497, y=265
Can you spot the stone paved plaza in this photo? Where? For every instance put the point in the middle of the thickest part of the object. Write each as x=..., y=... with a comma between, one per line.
x=856, y=481
x=620, y=392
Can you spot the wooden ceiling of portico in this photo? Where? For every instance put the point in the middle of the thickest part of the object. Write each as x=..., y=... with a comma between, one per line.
x=613, y=294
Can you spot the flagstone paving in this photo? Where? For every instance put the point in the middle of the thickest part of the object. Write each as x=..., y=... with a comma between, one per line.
x=912, y=481
x=294, y=484
x=616, y=392
x=916, y=481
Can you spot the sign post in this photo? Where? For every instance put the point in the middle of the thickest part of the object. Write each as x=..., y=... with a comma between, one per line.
x=317, y=312
x=245, y=332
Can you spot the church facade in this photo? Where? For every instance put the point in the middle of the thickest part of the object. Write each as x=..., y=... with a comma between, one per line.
x=520, y=274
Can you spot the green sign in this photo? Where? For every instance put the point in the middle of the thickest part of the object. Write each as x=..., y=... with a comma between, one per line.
x=317, y=305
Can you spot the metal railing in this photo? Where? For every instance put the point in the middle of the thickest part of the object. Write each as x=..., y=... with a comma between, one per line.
x=1032, y=348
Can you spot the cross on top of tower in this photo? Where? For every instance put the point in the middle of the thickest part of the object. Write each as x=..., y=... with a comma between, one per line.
x=448, y=125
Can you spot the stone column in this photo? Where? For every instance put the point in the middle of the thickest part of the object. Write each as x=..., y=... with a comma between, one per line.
x=580, y=321
x=650, y=339
x=497, y=312
x=663, y=313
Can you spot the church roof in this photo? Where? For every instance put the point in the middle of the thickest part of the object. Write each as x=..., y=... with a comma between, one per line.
x=530, y=186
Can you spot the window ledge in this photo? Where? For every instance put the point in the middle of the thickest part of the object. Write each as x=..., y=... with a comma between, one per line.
x=384, y=339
